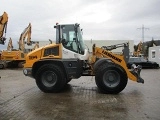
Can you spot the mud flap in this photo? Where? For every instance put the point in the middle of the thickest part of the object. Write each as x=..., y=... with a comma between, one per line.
x=135, y=70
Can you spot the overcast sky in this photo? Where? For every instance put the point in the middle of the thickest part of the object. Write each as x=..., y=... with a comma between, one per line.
x=100, y=19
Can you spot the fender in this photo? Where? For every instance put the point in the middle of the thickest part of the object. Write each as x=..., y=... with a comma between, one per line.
x=100, y=62
x=72, y=68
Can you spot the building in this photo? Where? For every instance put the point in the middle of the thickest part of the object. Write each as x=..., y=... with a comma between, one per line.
x=148, y=44
x=154, y=54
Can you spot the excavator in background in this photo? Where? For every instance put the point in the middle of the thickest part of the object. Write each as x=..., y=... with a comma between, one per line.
x=24, y=34
x=3, y=63
x=16, y=58
x=138, y=50
x=10, y=45
x=3, y=27
x=56, y=64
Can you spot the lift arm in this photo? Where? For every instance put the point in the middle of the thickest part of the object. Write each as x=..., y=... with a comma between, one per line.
x=3, y=27
x=115, y=46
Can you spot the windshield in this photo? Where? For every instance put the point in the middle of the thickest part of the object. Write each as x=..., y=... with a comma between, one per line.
x=72, y=38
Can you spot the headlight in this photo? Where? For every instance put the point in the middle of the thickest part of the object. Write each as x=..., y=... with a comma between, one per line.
x=25, y=71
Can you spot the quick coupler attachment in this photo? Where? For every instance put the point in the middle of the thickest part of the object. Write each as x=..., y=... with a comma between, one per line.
x=136, y=71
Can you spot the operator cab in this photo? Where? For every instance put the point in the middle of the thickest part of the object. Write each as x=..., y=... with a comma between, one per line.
x=71, y=38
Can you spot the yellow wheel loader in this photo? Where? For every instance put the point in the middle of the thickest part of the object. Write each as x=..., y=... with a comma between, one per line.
x=54, y=65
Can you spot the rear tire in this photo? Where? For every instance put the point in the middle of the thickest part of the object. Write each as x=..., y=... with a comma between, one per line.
x=50, y=78
x=111, y=78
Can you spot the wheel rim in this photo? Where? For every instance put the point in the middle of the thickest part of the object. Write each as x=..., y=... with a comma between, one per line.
x=49, y=78
x=111, y=78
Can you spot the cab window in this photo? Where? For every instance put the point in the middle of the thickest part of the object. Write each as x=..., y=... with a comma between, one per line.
x=69, y=38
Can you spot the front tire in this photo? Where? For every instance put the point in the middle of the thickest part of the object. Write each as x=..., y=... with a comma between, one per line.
x=111, y=78
x=50, y=78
